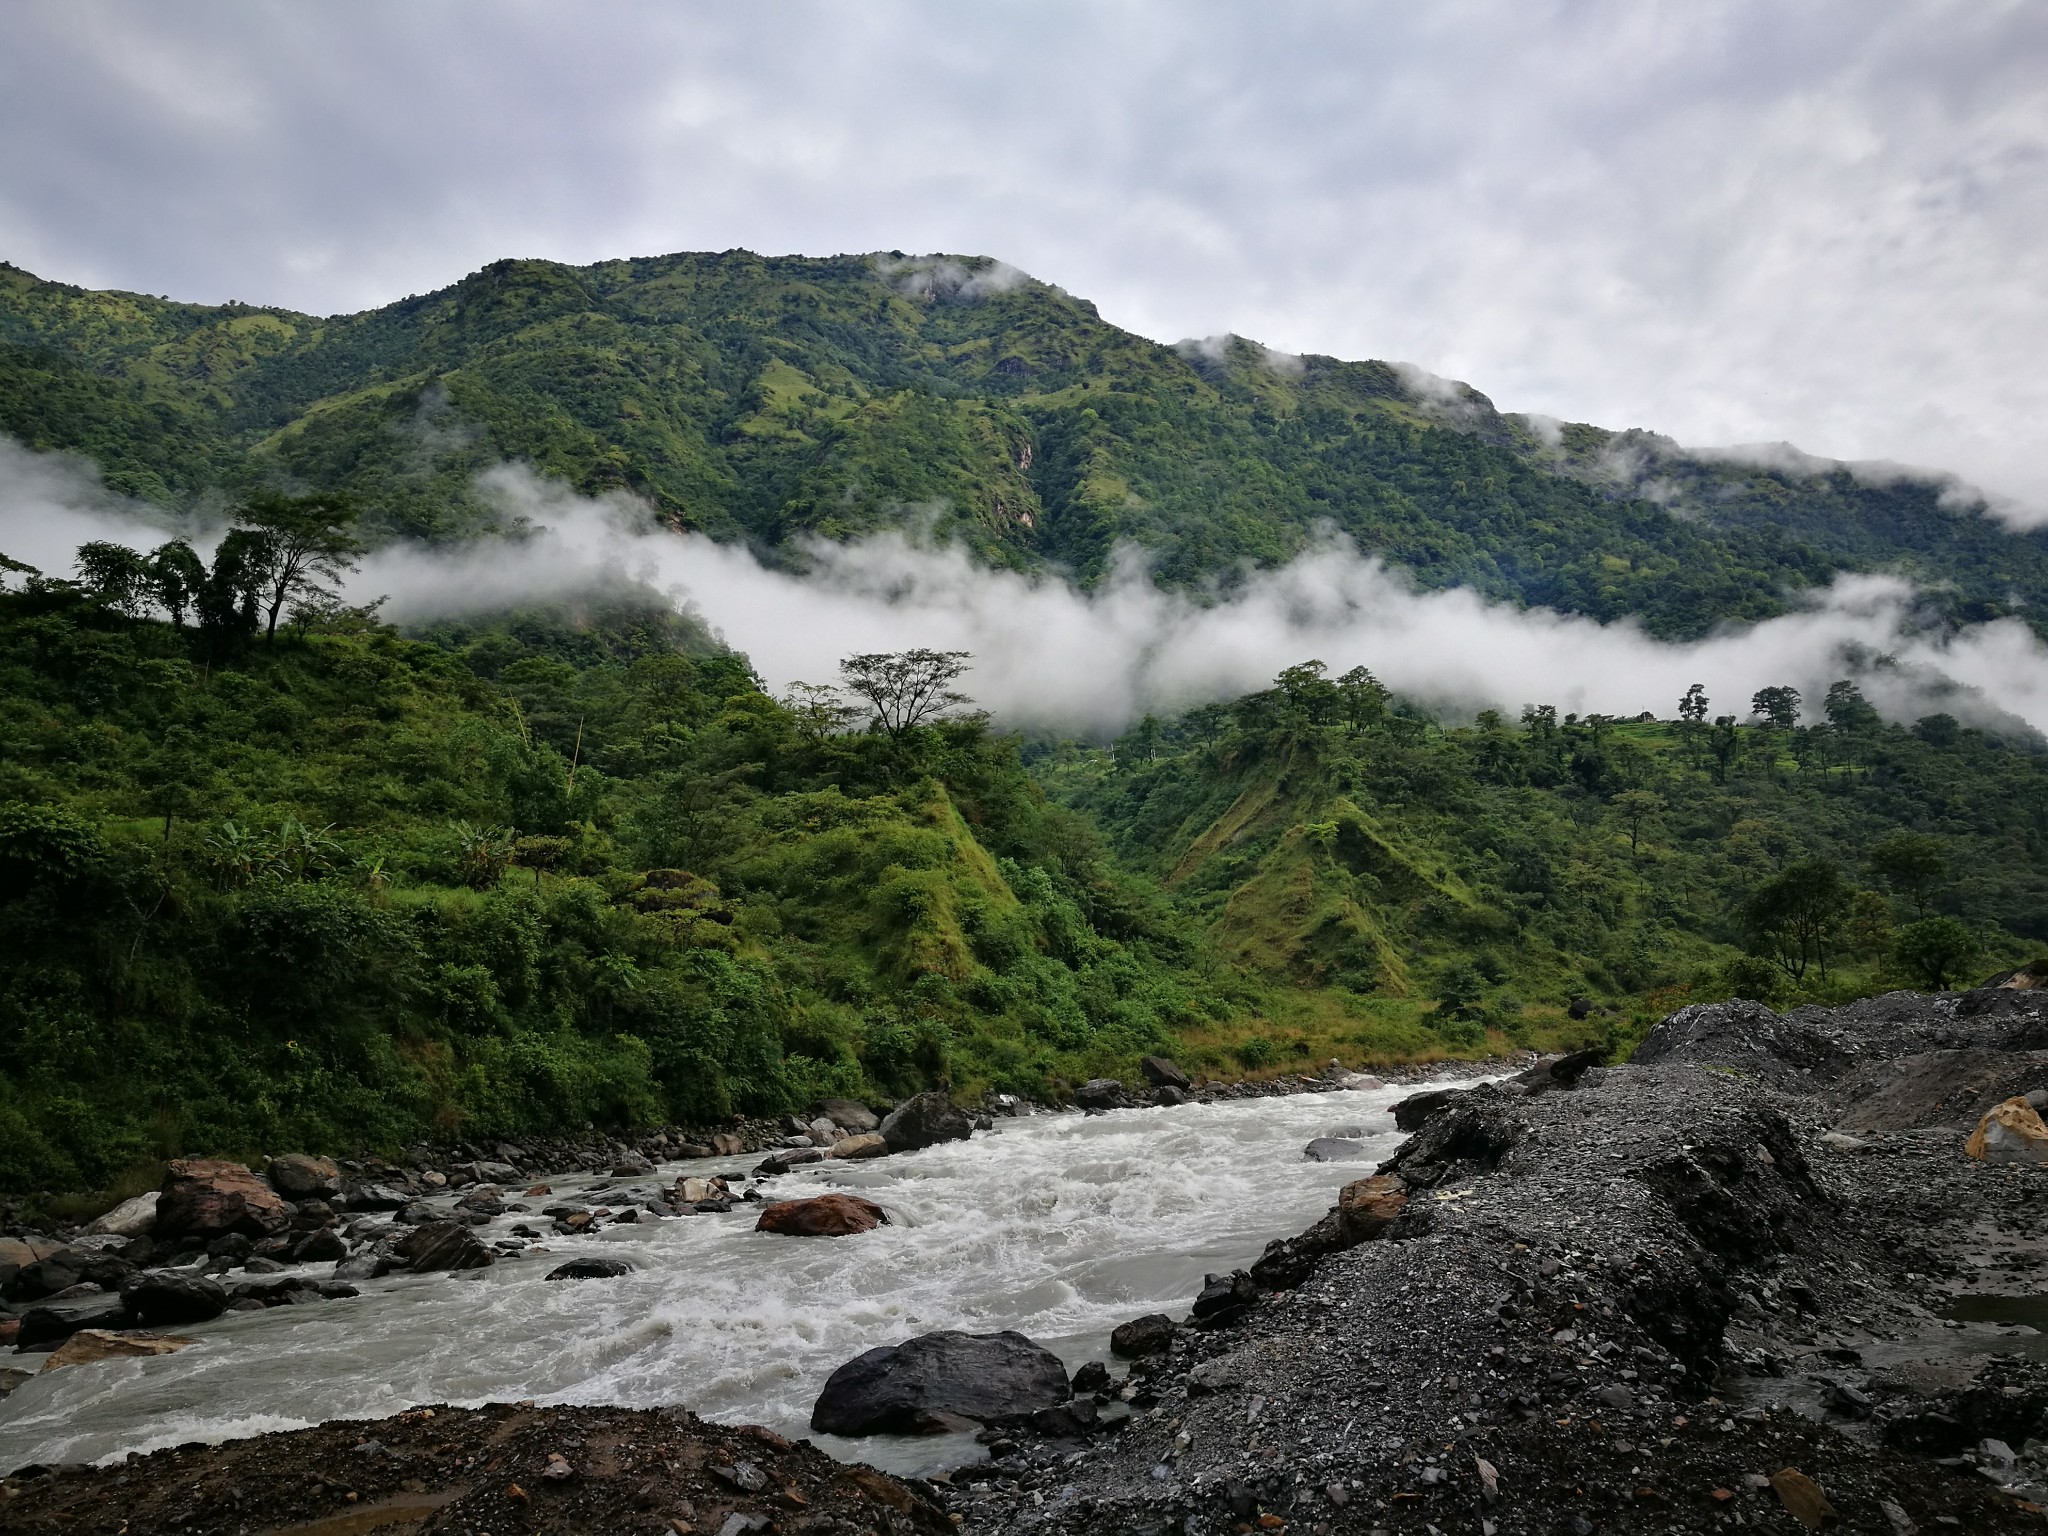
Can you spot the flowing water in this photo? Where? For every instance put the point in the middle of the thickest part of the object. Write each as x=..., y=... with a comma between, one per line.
x=1059, y=1226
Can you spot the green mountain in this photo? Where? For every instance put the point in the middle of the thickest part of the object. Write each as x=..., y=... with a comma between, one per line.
x=773, y=399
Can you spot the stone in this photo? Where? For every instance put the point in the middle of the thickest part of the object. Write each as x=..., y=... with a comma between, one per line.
x=1225, y=1298
x=417, y=1213
x=693, y=1189
x=822, y=1132
x=821, y=1216
x=322, y=1247
x=590, y=1269
x=131, y=1218
x=24, y=1251
x=12, y=1379
x=2010, y=1133
x=90, y=1345
x=849, y=1116
x=1168, y=1097
x=160, y=1296
x=375, y=1197
x=861, y=1144
x=1332, y=1149
x=1367, y=1207
x=1092, y=1377
x=43, y=1325
x=925, y=1120
x=1142, y=1336
x=1099, y=1093
x=632, y=1168
x=689, y=1150
x=1803, y=1499
x=781, y=1162
x=298, y=1176
x=442, y=1245
x=204, y=1197
x=903, y=1388
x=1160, y=1072
x=1840, y=1141
x=1412, y=1111
x=726, y=1144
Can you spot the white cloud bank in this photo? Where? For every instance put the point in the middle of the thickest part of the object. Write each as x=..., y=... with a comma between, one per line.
x=1048, y=655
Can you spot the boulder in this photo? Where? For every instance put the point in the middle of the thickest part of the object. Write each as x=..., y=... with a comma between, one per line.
x=131, y=1218
x=203, y=1197
x=863, y=1144
x=925, y=1120
x=1332, y=1149
x=89, y=1345
x=48, y=1324
x=590, y=1269
x=726, y=1144
x=1168, y=1097
x=849, y=1116
x=1225, y=1298
x=375, y=1197
x=781, y=1162
x=823, y=1132
x=822, y=1216
x=632, y=1168
x=24, y=1251
x=2010, y=1133
x=1142, y=1336
x=297, y=1176
x=1099, y=1093
x=910, y=1387
x=1162, y=1073
x=442, y=1245
x=173, y=1296
x=1367, y=1207
x=1412, y=1111
x=1092, y=1377
x=322, y=1247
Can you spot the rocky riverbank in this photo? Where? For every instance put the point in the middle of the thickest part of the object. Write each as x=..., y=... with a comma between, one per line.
x=1678, y=1295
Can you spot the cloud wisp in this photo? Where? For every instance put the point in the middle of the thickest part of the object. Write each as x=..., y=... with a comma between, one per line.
x=1049, y=656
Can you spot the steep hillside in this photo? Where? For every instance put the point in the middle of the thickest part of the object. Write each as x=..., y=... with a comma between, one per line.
x=773, y=399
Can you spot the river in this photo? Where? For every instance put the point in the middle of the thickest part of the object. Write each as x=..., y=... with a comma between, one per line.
x=1059, y=1226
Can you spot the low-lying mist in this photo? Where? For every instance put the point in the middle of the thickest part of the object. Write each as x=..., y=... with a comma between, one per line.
x=1048, y=656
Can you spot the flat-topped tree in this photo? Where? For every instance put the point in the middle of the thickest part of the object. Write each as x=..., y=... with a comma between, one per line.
x=308, y=545
x=906, y=688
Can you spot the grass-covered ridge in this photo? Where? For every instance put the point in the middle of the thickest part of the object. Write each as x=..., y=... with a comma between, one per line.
x=767, y=399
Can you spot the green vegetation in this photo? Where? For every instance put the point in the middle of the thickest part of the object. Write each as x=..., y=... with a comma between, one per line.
x=777, y=399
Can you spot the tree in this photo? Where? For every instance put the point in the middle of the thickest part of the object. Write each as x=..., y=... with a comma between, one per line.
x=226, y=600
x=1938, y=730
x=1869, y=929
x=818, y=710
x=1846, y=708
x=1792, y=919
x=1636, y=809
x=307, y=545
x=1692, y=717
x=1362, y=700
x=1458, y=990
x=1776, y=707
x=116, y=577
x=1309, y=695
x=178, y=575
x=1725, y=745
x=1934, y=951
x=1910, y=864
x=906, y=688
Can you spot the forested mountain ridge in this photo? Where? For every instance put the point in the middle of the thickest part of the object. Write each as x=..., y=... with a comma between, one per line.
x=770, y=399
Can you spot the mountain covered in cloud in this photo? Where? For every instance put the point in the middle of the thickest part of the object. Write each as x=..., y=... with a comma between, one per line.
x=778, y=400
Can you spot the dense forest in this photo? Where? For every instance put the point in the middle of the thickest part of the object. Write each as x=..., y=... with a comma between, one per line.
x=274, y=874
x=314, y=883
x=774, y=400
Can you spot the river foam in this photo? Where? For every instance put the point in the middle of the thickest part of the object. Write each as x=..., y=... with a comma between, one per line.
x=1059, y=1226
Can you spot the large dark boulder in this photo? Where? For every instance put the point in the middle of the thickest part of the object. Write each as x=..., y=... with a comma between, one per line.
x=51, y=1324
x=1412, y=1112
x=1225, y=1298
x=924, y=1121
x=1099, y=1093
x=913, y=1387
x=299, y=1177
x=442, y=1245
x=849, y=1116
x=1142, y=1336
x=589, y=1269
x=202, y=1197
x=1162, y=1073
x=161, y=1296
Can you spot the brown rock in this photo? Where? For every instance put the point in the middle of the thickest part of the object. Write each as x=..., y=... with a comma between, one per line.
x=213, y=1198
x=1367, y=1207
x=24, y=1251
x=299, y=1177
x=91, y=1344
x=1803, y=1499
x=822, y=1216
x=2011, y=1132
x=865, y=1144
x=726, y=1144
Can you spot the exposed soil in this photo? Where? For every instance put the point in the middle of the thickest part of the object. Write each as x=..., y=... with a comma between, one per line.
x=501, y=1469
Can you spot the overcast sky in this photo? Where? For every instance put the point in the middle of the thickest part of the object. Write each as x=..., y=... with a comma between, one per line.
x=1729, y=222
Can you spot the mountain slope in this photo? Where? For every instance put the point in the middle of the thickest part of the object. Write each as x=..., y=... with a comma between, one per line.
x=774, y=399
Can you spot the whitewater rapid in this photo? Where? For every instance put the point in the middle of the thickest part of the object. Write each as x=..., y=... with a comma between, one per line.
x=1059, y=1226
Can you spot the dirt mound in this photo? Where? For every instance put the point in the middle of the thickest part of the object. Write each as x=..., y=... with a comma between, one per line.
x=1934, y=1088
x=500, y=1468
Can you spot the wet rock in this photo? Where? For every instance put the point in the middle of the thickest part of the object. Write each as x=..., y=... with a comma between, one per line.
x=1099, y=1093
x=1412, y=1112
x=375, y=1197
x=1168, y=1097
x=632, y=1168
x=1160, y=1072
x=849, y=1116
x=789, y=1157
x=865, y=1144
x=1555, y=1072
x=163, y=1296
x=1092, y=1377
x=202, y=1197
x=297, y=1176
x=2010, y=1133
x=417, y=1213
x=821, y=1216
x=442, y=1245
x=131, y=1218
x=901, y=1388
x=321, y=1247
x=90, y=1345
x=1803, y=1499
x=925, y=1120
x=1142, y=1336
x=1332, y=1149
x=590, y=1269
x=44, y=1325
x=726, y=1144
x=1225, y=1298
x=1367, y=1207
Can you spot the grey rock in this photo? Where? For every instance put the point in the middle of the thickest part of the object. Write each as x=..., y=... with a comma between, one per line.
x=924, y=1121
x=1099, y=1093
x=1160, y=1072
x=442, y=1245
x=159, y=1297
x=1142, y=1336
x=897, y=1389
x=1329, y=1149
x=849, y=1116
x=299, y=1177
